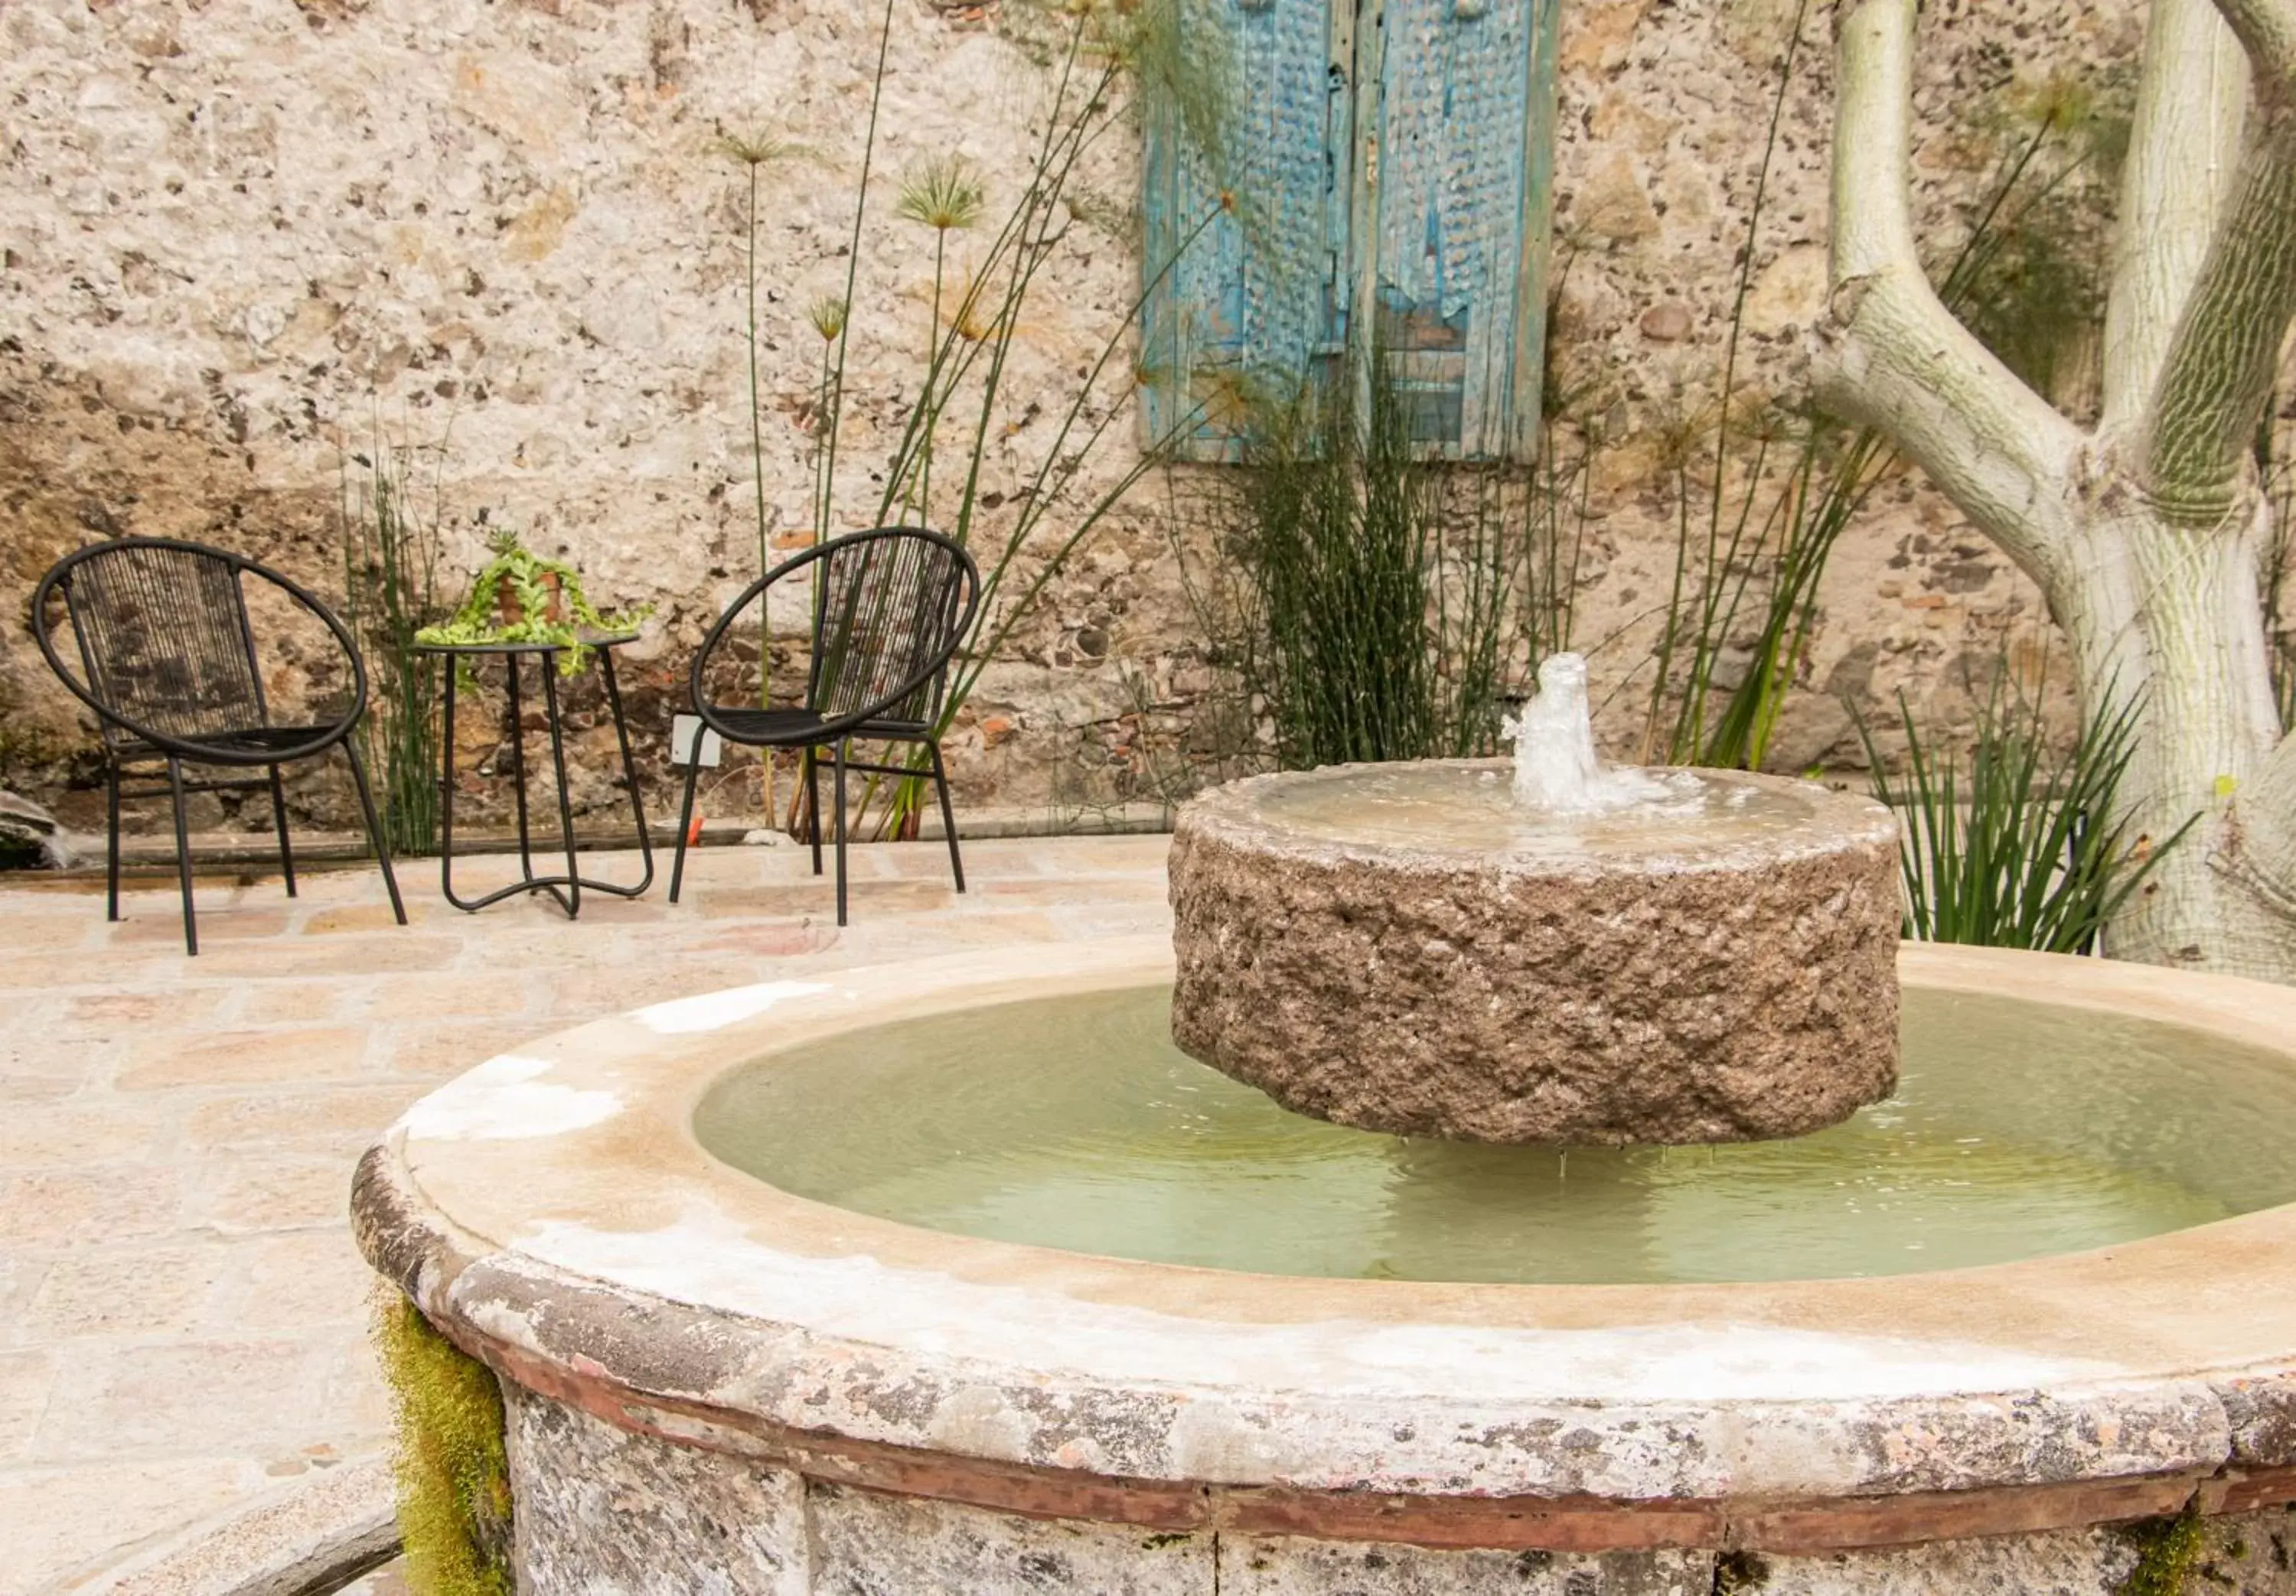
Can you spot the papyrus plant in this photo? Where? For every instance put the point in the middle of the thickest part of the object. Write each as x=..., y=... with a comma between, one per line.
x=1100, y=62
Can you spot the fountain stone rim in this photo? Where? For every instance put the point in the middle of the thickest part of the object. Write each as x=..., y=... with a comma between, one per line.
x=1231, y=812
x=553, y=1211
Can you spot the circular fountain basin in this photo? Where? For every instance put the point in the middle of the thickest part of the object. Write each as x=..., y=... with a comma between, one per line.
x=721, y=1376
x=1405, y=948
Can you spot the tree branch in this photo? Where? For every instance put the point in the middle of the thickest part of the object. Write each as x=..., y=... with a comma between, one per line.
x=2225, y=353
x=1893, y=357
x=2267, y=29
x=2184, y=150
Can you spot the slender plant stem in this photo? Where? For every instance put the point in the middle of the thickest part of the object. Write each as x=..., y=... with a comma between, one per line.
x=853, y=258
x=933, y=400
x=757, y=431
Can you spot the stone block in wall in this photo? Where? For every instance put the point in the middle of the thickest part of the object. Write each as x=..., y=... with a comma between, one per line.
x=1284, y=1565
x=601, y=1512
x=2063, y=1563
x=868, y=1543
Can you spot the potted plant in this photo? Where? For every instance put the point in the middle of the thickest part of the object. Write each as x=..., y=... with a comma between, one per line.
x=518, y=597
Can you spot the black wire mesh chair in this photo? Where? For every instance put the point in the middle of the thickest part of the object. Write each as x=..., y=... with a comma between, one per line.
x=889, y=608
x=168, y=662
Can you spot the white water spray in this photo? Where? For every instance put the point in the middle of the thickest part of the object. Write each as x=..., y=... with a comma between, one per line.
x=1556, y=768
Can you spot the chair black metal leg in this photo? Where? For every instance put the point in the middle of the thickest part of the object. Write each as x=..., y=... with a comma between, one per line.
x=279, y=819
x=686, y=814
x=374, y=831
x=947, y=814
x=840, y=830
x=111, y=841
x=813, y=804
x=184, y=858
x=452, y=667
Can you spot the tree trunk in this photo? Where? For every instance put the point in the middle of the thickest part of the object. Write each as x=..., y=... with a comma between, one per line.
x=2146, y=536
x=2171, y=620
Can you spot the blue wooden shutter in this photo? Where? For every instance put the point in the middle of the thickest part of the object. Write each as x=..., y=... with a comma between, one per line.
x=1260, y=294
x=1395, y=156
x=1458, y=117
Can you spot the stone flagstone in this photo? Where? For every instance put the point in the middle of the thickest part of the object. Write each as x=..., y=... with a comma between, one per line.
x=182, y=1312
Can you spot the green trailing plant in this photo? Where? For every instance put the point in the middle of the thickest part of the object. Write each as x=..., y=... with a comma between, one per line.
x=518, y=597
x=455, y=1513
x=390, y=580
x=2018, y=846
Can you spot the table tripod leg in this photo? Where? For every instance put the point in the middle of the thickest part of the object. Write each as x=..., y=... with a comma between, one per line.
x=629, y=769
x=565, y=803
x=518, y=759
x=453, y=667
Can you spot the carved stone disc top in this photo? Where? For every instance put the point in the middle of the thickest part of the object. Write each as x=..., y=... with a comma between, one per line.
x=1404, y=948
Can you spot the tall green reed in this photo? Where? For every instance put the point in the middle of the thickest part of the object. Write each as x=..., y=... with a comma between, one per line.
x=391, y=555
x=1753, y=543
x=754, y=153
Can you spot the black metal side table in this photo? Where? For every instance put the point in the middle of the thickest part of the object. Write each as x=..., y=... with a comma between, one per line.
x=566, y=888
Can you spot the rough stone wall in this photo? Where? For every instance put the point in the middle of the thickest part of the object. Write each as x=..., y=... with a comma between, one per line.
x=243, y=238
x=602, y=1510
x=1665, y=111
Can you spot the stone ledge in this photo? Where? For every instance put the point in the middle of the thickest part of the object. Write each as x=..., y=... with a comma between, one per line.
x=1578, y=1524
x=676, y=1296
x=306, y=1539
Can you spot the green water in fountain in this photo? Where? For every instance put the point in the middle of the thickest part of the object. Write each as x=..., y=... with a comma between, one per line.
x=2021, y=1129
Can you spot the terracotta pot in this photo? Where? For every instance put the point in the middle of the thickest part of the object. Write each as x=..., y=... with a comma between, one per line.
x=513, y=613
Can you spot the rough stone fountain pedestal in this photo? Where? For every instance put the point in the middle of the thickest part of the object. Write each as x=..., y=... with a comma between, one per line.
x=1406, y=949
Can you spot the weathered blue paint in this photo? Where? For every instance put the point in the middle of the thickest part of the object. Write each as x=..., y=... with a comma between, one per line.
x=1395, y=154
x=1252, y=300
x=1458, y=125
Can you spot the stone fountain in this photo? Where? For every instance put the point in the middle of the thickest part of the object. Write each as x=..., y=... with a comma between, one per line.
x=1575, y=956
x=958, y=1279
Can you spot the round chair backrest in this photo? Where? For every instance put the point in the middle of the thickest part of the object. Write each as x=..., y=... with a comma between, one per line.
x=166, y=652
x=890, y=609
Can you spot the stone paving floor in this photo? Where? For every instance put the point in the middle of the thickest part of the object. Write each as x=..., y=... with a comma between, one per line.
x=182, y=1311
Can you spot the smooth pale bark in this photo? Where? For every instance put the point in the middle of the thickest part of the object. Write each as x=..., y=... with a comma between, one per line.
x=2146, y=535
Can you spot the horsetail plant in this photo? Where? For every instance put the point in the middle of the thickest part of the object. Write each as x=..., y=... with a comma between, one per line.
x=391, y=555
x=755, y=152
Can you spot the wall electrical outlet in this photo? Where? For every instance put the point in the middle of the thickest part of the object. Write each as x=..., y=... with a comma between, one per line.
x=681, y=740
